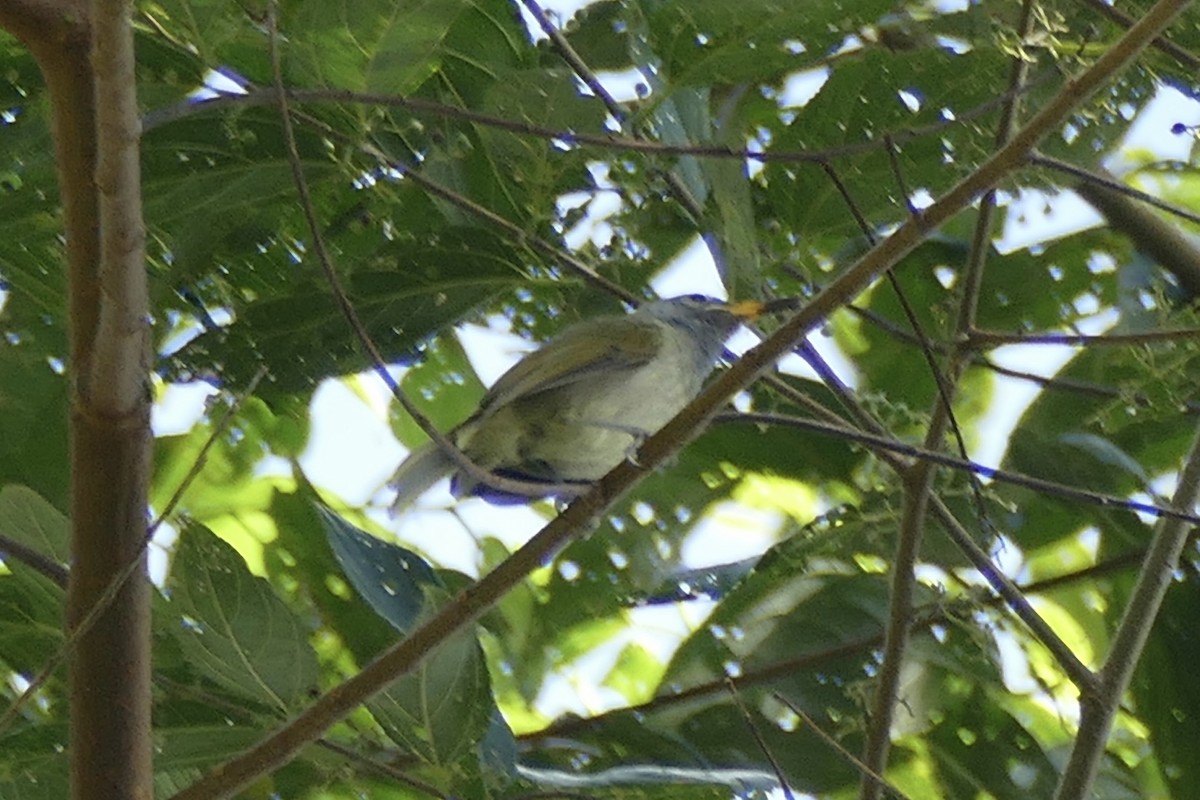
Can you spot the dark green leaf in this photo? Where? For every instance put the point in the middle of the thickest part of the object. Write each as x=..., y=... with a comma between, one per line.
x=392, y=579
x=1166, y=691
x=234, y=629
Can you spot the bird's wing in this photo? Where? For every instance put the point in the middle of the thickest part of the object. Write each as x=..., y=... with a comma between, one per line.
x=609, y=345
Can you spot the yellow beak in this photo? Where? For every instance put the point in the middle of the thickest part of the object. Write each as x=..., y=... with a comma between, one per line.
x=747, y=309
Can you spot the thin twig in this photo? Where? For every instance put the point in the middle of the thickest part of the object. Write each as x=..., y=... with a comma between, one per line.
x=267, y=97
x=1054, y=382
x=132, y=565
x=43, y=564
x=1098, y=708
x=837, y=746
x=1085, y=388
x=577, y=64
x=764, y=748
x=893, y=154
x=890, y=444
x=979, y=339
x=1039, y=159
x=283, y=744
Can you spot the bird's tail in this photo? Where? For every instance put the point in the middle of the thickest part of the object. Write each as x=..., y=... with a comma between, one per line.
x=421, y=470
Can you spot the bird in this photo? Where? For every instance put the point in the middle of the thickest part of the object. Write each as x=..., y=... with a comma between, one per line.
x=566, y=414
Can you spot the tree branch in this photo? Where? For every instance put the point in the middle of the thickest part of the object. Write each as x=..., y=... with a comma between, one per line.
x=918, y=480
x=469, y=604
x=1098, y=708
x=114, y=383
x=110, y=669
x=1166, y=244
x=110, y=744
x=1110, y=183
x=611, y=142
x=44, y=565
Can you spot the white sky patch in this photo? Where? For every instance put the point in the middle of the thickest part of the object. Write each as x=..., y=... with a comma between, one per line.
x=801, y=87
x=659, y=629
x=217, y=83
x=351, y=450
x=691, y=271
x=729, y=532
x=1013, y=396
x=180, y=407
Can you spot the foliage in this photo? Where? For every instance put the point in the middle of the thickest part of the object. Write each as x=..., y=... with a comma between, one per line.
x=434, y=217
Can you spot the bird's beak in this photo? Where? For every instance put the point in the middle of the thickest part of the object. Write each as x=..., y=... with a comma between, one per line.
x=748, y=310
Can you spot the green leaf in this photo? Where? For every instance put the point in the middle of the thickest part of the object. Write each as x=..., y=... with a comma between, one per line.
x=544, y=98
x=1166, y=692
x=392, y=579
x=31, y=605
x=443, y=386
x=715, y=42
x=979, y=747
x=233, y=628
x=26, y=517
x=1131, y=401
x=33, y=424
x=590, y=33
x=186, y=751
x=370, y=46
x=635, y=674
x=301, y=557
x=441, y=709
x=33, y=762
x=302, y=336
x=230, y=481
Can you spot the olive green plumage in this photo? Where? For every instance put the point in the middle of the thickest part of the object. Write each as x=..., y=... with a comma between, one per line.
x=569, y=412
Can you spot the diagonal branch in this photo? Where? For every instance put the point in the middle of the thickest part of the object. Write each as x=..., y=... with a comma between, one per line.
x=918, y=480
x=1099, y=708
x=1110, y=185
x=1167, y=244
x=887, y=447
x=282, y=745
